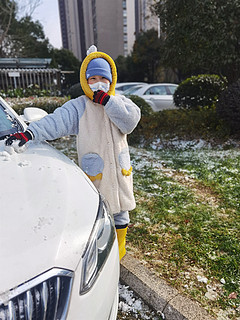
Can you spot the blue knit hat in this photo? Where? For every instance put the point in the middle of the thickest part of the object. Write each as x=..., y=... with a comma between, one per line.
x=99, y=67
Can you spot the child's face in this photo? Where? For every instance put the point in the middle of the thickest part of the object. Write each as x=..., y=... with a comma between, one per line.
x=95, y=79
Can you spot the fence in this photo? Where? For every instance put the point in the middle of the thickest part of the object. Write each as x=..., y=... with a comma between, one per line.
x=48, y=79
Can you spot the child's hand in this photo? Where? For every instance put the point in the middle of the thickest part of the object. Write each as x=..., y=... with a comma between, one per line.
x=101, y=97
x=22, y=136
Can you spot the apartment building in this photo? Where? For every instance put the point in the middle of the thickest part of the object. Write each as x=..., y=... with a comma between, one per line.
x=111, y=25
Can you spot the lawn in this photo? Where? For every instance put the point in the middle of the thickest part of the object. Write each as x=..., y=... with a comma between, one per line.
x=186, y=226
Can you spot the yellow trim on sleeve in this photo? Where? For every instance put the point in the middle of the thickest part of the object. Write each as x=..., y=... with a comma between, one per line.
x=97, y=177
x=83, y=80
x=127, y=172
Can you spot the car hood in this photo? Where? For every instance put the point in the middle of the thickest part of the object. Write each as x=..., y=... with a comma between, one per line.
x=47, y=209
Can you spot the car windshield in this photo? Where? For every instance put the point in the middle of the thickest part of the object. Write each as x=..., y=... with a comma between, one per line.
x=8, y=124
x=132, y=90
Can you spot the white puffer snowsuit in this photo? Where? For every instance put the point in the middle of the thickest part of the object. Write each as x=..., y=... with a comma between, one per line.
x=101, y=138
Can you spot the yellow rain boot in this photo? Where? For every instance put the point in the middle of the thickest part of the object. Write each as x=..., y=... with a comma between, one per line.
x=121, y=236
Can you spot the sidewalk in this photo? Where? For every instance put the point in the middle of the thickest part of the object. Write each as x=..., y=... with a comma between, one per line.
x=158, y=294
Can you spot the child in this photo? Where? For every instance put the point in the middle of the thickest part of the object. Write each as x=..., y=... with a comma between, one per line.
x=101, y=122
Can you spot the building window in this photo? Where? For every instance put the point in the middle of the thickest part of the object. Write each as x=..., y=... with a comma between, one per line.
x=125, y=30
x=94, y=19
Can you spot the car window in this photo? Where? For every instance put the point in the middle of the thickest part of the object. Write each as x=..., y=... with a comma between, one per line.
x=172, y=89
x=119, y=87
x=128, y=86
x=156, y=90
x=8, y=125
x=132, y=89
x=125, y=87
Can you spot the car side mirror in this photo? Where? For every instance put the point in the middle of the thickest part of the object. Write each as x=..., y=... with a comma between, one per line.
x=31, y=114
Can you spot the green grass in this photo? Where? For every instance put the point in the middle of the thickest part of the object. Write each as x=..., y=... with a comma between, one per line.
x=217, y=169
x=178, y=231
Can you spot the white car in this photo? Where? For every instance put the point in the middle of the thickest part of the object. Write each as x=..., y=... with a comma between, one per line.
x=133, y=89
x=122, y=86
x=158, y=95
x=58, y=245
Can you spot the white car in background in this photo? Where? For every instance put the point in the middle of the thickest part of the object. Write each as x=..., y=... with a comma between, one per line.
x=122, y=86
x=133, y=89
x=158, y=95
x=59, y=251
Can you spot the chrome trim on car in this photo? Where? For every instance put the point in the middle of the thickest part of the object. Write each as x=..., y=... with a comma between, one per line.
x=45, y=297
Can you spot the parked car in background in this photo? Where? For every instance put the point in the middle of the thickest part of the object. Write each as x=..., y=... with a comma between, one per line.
x=158, y=95
x=59, y=251
x=122, y=86
x=133, y=89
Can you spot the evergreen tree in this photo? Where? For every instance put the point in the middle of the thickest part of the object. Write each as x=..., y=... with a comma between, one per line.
x=202, y=36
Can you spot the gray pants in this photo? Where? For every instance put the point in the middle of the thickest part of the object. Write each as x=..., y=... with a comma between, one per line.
x=121, y=218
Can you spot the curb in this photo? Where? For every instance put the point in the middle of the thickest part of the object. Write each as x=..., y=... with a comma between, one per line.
x=158, y=294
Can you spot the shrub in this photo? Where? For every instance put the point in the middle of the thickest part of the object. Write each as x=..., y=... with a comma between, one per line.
x=75, y=91
x=48, y=104
x=138, y=135
x=179, y=124
x=228, y=107
x=145, y=108
x=30, y=91
x=199, y=91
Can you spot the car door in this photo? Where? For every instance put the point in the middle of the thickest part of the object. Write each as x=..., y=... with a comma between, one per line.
x=159, y=97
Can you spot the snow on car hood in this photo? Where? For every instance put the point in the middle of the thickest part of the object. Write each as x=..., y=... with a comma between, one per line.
x=47, y=211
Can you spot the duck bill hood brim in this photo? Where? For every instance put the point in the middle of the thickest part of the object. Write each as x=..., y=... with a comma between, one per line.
x=83, y=80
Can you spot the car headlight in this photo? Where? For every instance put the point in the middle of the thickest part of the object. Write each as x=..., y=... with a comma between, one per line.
x=98, y=247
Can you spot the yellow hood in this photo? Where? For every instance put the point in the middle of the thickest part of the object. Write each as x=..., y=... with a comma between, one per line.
x=83, y=80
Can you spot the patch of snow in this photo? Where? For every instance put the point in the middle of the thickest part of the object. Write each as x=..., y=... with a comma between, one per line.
x=5, y=155
x=43, y=222
x=131, y=304
x=202, y=279
x=16, y=147
x=24, y=163
x=211, y=293
x=9, y=149
x=177, y=143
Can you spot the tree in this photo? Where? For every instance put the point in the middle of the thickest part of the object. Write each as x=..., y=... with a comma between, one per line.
x=202, y=36
x=7, y=15
x=28, y=39
x=21, y=37
x=143, y=64
x=65, y=60
x=27, y=7
x=122, y=70
x=147, y=54
x=128, y=70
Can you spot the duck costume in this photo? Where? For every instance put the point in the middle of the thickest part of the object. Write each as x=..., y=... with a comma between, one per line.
x=101, y=121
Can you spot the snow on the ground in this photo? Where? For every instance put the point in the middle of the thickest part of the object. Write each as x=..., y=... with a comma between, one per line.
x=197, y=144
x=129, y=303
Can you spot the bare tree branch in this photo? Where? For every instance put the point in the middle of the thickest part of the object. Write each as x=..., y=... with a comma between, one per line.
x=9, y=11
x=27, y=7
